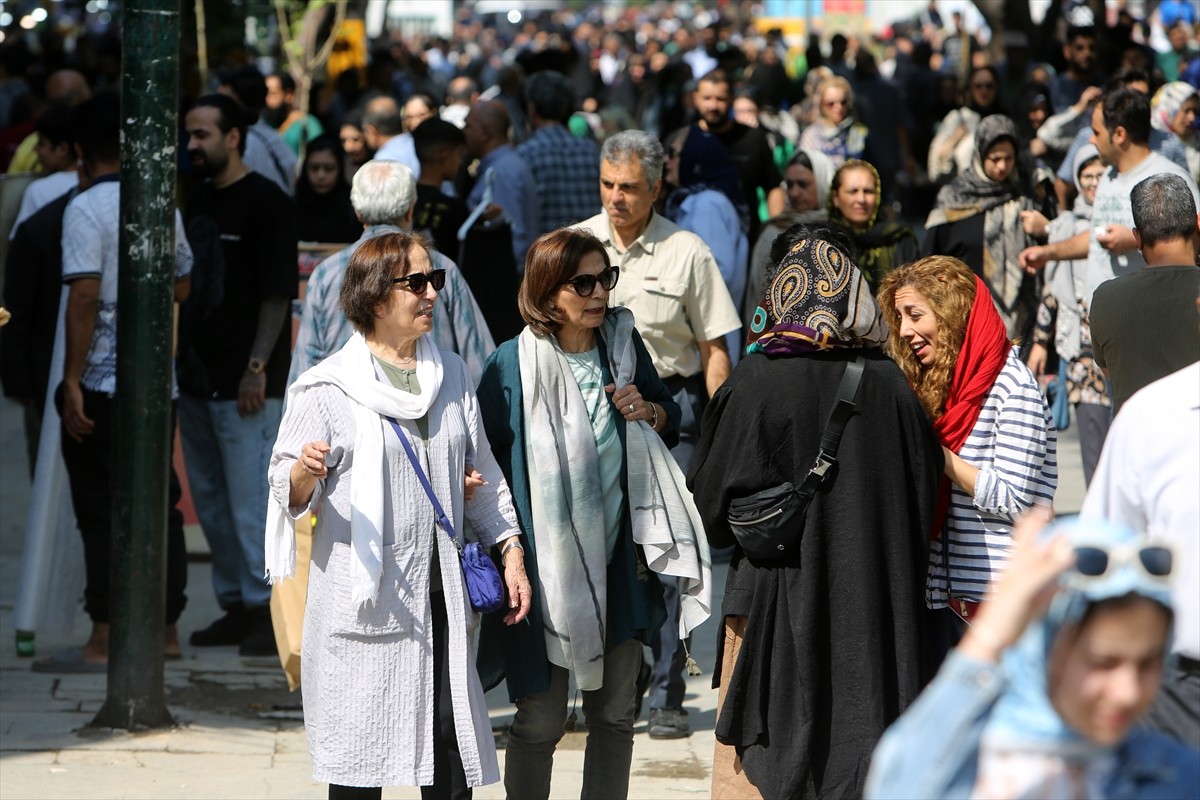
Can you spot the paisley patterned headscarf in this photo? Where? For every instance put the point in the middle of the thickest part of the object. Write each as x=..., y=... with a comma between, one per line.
x=816, y=299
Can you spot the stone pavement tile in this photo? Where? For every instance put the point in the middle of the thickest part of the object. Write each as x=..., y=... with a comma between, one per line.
x=100, y=758
x=37, y=730
x=223, y=741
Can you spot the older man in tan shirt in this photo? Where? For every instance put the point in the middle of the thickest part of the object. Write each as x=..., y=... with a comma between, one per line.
x=670, y=281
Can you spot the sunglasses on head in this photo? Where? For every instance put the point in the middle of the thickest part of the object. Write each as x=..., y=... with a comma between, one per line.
x=1093, y=562
x=584, y=285
x=417, y=282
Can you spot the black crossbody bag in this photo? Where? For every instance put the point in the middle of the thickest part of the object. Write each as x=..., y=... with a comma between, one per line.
x=769, y=524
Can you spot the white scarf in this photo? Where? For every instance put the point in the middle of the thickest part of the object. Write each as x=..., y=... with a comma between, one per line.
x=568, y=514
x=352, y=369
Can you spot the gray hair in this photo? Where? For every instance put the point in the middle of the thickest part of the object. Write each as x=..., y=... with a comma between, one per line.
x=1163, y=209
x=382, y=192
x=639, y=146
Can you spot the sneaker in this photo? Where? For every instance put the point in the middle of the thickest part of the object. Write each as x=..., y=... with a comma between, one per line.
x=228, y=630
x=260, y=641
x=669, y=723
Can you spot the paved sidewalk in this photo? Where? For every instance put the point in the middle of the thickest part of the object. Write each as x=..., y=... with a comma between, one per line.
x=239, y=732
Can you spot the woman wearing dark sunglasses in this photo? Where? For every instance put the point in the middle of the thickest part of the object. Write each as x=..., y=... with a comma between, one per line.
x=1041, y=697
x=578, y=420
x=388, y=629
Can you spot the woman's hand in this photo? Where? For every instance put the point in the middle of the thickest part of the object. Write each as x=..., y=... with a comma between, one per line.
x=1037, y=360
x=474, y=480
x=520, y=594
x=308, y=469
x=1024, y=589
x=631, y=403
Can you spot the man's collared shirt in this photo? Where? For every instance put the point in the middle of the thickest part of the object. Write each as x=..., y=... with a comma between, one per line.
x=670, y=281
x=566, y=171
x=515, y=191
x=458, y=324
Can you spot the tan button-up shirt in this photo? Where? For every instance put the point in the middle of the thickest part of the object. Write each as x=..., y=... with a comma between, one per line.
x=670, y=281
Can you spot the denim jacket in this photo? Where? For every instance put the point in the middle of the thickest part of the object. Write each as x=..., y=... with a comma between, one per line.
x=932, y=750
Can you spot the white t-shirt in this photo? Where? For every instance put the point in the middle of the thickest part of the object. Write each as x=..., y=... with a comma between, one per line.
x=1147, y=479
x=41, y=192
x=89, y=244
x=1112, y=207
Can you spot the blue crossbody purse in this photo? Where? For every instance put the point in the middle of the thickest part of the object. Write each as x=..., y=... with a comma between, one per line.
x=484, y=587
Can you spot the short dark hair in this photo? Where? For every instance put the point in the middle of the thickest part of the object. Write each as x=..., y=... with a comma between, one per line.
x=367, y=283
x=249, y=87
x=1076, y=31
x=1163, y=209
x=1127, y=75
x=286, y=81
x=717, y=75
x=550, y=95
x=434, y=135
x=57, y=126
x=552, y=259
x=1129, y=109
x=231, y=115
x=98, y=127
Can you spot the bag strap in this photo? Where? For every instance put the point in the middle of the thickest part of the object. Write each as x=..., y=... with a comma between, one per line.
x=843, y=409
x=442, y=519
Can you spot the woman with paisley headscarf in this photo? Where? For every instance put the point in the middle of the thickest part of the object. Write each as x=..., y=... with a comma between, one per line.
x=982, y=219
x=812, y=667
x=854, y=200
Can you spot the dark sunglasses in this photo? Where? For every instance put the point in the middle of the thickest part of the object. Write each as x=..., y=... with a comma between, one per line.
x=584, y=285
x=1096, y=562
x=417, y=282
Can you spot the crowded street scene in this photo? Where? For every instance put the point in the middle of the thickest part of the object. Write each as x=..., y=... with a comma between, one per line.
x=605, y=399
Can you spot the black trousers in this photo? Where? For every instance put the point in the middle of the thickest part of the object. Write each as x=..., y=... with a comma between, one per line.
x=90, y=473
x=449, y=778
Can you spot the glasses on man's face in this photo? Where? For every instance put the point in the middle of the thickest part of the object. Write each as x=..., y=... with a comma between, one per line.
x=584, y=285
x=417, y=282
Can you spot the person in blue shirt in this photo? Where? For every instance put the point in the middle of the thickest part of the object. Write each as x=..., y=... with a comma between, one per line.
x=1042, y=696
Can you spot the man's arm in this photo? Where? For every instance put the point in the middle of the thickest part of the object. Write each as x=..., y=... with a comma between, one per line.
x=776, y=201
x=714, y=362
x=1034, y=258
x=83, y=300
x=252, y=389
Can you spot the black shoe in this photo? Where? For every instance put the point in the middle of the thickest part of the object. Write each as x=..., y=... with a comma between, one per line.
x=260, y=641
x=669, y=723
x=228, y=630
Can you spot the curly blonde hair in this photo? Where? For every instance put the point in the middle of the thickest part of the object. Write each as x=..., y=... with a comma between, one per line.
x=948, y=285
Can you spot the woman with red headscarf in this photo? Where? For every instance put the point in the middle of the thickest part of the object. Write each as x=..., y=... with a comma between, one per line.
x=996, y=431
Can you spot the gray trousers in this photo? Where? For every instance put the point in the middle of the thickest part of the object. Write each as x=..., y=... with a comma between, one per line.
x=538, y=727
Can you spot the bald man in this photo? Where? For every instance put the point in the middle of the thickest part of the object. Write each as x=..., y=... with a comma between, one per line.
x=486, y=131
x=65, y=88
x=461, y=94
x=383, y=128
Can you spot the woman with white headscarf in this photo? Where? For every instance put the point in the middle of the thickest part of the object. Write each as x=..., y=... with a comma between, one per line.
x=1062, y=321
x=806, y=182
x=1173, y=111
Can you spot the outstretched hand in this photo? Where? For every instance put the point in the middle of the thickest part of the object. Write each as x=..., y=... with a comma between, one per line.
x=520, y=593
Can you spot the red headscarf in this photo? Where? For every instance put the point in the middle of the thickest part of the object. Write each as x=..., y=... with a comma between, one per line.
x=984, y=351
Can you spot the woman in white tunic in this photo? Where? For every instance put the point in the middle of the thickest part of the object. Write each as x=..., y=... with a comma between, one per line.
x=391, y=694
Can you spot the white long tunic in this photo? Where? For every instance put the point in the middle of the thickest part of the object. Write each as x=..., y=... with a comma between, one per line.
x=368, y=672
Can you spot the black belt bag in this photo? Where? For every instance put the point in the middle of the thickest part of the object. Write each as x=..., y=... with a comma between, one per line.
x=770, y=524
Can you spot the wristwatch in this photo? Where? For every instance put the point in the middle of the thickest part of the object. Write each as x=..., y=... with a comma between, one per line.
x=256, y=366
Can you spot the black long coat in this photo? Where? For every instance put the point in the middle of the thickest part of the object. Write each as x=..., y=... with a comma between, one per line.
x=832, y=651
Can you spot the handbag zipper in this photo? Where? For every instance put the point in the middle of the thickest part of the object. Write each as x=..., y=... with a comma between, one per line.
x=763, y=518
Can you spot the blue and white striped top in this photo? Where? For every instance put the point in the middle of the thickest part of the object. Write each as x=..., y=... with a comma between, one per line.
x=1013, y=444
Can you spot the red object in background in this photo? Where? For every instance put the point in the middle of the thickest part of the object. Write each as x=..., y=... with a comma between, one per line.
x=845, y=6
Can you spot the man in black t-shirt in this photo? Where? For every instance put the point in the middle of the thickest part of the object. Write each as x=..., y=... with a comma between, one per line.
x=748, y=147
x=234, y=354
x=1144, y=324
x=440, y=146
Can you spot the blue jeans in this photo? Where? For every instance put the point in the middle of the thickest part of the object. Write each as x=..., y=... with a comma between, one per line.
x=538, y=726
x=227, y=457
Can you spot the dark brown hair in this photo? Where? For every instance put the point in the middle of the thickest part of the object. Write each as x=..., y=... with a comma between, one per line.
x=367, y=284
x=551, y=260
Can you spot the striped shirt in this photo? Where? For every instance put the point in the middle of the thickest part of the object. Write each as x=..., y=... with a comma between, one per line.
x=1013, y=444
